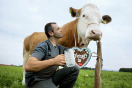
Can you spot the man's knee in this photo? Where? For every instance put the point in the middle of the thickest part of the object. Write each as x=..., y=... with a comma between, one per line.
x=70, y=70
x=76, y=69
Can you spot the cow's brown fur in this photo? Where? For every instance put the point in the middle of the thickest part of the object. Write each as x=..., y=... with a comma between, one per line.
x=31, y=41
x=68, y=31
x=75, y=12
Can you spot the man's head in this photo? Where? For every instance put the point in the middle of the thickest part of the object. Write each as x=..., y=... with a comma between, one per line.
x=52, y=30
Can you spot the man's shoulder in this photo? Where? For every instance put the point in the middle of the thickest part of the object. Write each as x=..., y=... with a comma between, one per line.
x=59, y=45
x=42, y=44
x=62, y=47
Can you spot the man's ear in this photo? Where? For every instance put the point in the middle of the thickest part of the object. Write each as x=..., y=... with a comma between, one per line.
x=75, y=12
x=106, y=19
x=50, y=33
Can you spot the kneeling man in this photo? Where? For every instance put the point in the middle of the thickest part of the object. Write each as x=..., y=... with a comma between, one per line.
x=41, y=67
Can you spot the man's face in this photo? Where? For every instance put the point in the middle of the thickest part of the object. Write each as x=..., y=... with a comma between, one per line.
x=57, y=31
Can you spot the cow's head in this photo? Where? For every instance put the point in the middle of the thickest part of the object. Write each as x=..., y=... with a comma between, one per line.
x=89, y=19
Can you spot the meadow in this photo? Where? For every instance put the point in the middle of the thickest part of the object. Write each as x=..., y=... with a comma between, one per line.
x=11, y=77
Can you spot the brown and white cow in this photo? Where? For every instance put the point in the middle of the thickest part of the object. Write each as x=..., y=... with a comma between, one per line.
x=83, y=29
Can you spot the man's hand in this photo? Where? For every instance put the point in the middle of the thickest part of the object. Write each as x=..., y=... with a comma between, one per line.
x=59, y=60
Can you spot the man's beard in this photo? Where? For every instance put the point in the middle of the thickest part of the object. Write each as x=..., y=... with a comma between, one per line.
x=57, y=36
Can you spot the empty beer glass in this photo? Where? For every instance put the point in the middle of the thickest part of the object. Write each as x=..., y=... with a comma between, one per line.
x=69, y=57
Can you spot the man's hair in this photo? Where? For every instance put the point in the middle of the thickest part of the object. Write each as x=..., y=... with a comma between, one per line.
x=49, y=28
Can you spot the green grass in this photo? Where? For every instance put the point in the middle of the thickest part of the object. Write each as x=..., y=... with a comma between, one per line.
x=109, y=79
x=11, y=77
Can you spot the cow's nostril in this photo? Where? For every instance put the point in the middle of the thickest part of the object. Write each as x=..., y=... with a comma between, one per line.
x=93, y=32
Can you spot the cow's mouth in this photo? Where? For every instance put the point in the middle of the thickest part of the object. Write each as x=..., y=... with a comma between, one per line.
x=95, y=35
x=94, y=38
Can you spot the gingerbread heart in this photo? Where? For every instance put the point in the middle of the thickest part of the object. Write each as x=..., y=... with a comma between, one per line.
x=82, y=56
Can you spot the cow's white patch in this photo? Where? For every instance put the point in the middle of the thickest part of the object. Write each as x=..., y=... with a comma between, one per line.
x=91, y=27
x=90, y=19
x=25, y=58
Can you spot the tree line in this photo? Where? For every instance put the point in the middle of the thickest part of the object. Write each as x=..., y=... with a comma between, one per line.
x=120, y=70
x=125, y=70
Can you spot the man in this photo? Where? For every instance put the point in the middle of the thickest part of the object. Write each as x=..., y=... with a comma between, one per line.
x=41, y=67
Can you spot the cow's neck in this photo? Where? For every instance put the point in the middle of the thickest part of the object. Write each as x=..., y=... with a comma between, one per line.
x=82, y=26
x=68, y=31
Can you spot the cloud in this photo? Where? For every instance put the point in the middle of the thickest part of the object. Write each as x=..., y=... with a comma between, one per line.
x=11, y=50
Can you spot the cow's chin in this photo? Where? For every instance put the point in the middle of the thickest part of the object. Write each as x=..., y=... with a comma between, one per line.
x=94, y=38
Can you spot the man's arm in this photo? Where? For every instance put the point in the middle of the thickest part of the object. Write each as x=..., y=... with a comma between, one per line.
x=34, y=65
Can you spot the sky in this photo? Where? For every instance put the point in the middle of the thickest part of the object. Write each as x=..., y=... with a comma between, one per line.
x=20, y=18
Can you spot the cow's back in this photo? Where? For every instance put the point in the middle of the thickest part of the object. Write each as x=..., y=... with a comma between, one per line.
x=31, y=41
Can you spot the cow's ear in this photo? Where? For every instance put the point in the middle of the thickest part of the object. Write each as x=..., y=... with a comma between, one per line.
x=75, y=12
x=106, y=19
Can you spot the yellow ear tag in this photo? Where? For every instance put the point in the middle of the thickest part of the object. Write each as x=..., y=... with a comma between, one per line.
x=70, y=11
x=105, y=22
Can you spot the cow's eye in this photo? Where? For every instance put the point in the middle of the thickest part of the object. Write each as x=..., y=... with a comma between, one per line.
x=83, y=15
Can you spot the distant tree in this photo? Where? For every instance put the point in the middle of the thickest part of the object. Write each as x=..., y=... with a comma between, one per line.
x=125, y=70
x=86, y=68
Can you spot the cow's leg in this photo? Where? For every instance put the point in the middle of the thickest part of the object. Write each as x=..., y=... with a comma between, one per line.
x=26, y=55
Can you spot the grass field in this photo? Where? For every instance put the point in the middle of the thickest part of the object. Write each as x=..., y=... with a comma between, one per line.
x=11, y=77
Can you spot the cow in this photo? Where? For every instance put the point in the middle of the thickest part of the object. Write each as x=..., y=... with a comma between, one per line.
x=78, y=32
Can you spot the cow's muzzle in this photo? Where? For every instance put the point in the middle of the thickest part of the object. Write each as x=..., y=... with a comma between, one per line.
x=95, y=35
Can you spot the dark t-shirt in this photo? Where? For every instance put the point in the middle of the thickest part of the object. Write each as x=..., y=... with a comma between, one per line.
x=42, y=52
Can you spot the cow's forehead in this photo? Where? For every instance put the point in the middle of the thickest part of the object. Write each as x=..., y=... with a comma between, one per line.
x=90, y=6
x=91, y=11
